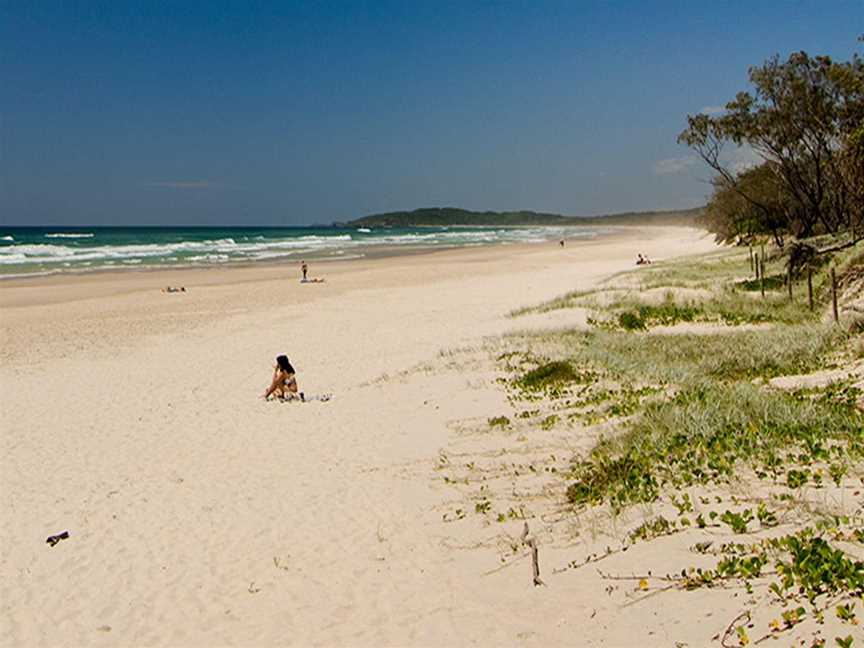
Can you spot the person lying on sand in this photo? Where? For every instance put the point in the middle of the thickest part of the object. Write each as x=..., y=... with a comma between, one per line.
x=284, y=383
x=312, y=280
x=172, y=289
x=642, y=260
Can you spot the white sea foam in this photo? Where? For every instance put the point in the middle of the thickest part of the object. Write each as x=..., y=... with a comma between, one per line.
x=11, y=259
x=210, y=258
x=7, y=238
x=83, y=256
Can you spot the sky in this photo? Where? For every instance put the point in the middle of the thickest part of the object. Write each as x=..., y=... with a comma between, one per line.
x=288, y=113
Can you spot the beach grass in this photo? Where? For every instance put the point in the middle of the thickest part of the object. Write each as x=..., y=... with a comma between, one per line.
x=693, y=406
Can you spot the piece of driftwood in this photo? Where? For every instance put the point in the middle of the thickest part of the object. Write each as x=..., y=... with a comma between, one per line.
x=731, y=628
x=531, y=543
x=54, y=539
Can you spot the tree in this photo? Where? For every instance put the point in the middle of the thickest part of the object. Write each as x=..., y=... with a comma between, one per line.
x=804, y=120
x=733, y=218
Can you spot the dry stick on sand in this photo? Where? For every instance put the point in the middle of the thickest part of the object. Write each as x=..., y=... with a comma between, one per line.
x=532, y=544
x=733, y=628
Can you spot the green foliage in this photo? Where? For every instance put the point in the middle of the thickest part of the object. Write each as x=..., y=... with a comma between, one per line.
x=651, y=529
x=807, y=567
x=631, y=321
x=700, y=414
x=446, y=216
x=704, y=434
x=688, y=357
x=737, y=521
x=796, y=478
x=730, y=567
x=727, y=306
x=774, y=282
x=815, y=568
x=803, y=119
x=641, y=316
x=482, y=506
x=846, y=613
x=551, y=376
x=550, y=373
x=549, y=422
x=766, y=518
x=499, y=421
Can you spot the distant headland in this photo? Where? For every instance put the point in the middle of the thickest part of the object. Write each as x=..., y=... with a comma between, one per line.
x=452, y=216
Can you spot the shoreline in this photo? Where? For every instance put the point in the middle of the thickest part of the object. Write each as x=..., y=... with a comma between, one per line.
x=114, y=281
x=364, y=248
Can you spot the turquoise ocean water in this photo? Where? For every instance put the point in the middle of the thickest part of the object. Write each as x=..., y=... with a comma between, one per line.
x=28, y=251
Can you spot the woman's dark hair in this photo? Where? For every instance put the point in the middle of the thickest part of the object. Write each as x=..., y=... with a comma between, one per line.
x=284, y=365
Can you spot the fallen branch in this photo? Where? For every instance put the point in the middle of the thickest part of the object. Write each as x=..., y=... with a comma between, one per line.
x=731, y=628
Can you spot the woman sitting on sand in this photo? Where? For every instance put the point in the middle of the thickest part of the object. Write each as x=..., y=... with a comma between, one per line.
x=284, y=383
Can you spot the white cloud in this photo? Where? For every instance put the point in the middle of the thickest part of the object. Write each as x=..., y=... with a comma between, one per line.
x=181, y=184
x=672, y=166
x=712, y=110
x=742, y=159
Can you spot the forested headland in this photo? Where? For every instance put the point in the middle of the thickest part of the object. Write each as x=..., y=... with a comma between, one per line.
x=451, y=216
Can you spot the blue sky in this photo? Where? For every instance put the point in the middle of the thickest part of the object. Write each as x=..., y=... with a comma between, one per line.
x=125, y=113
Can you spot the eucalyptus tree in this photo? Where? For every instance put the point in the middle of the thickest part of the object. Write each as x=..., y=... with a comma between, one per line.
x=804, y=120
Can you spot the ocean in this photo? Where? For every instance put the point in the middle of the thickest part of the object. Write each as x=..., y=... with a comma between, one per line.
x=29, y=251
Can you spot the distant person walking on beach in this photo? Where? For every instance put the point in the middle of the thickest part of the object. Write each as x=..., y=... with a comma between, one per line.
x=304, y=269
x=284, y=383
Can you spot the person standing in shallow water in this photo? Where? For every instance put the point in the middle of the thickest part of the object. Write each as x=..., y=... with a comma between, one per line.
x=304, y=269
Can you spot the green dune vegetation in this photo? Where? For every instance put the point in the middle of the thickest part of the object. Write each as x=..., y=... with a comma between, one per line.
x=453, y=217
x=724, y=393
x=724, y=411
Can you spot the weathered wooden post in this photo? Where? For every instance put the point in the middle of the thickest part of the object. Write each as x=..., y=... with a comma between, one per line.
x=789, y=280
x=810, y=287
x=762, y=277
x=757, y=265
x=750, y=248
x=834, y=295
x=531, y=543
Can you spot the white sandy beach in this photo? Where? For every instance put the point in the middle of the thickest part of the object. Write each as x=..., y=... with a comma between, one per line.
x=200, y=515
